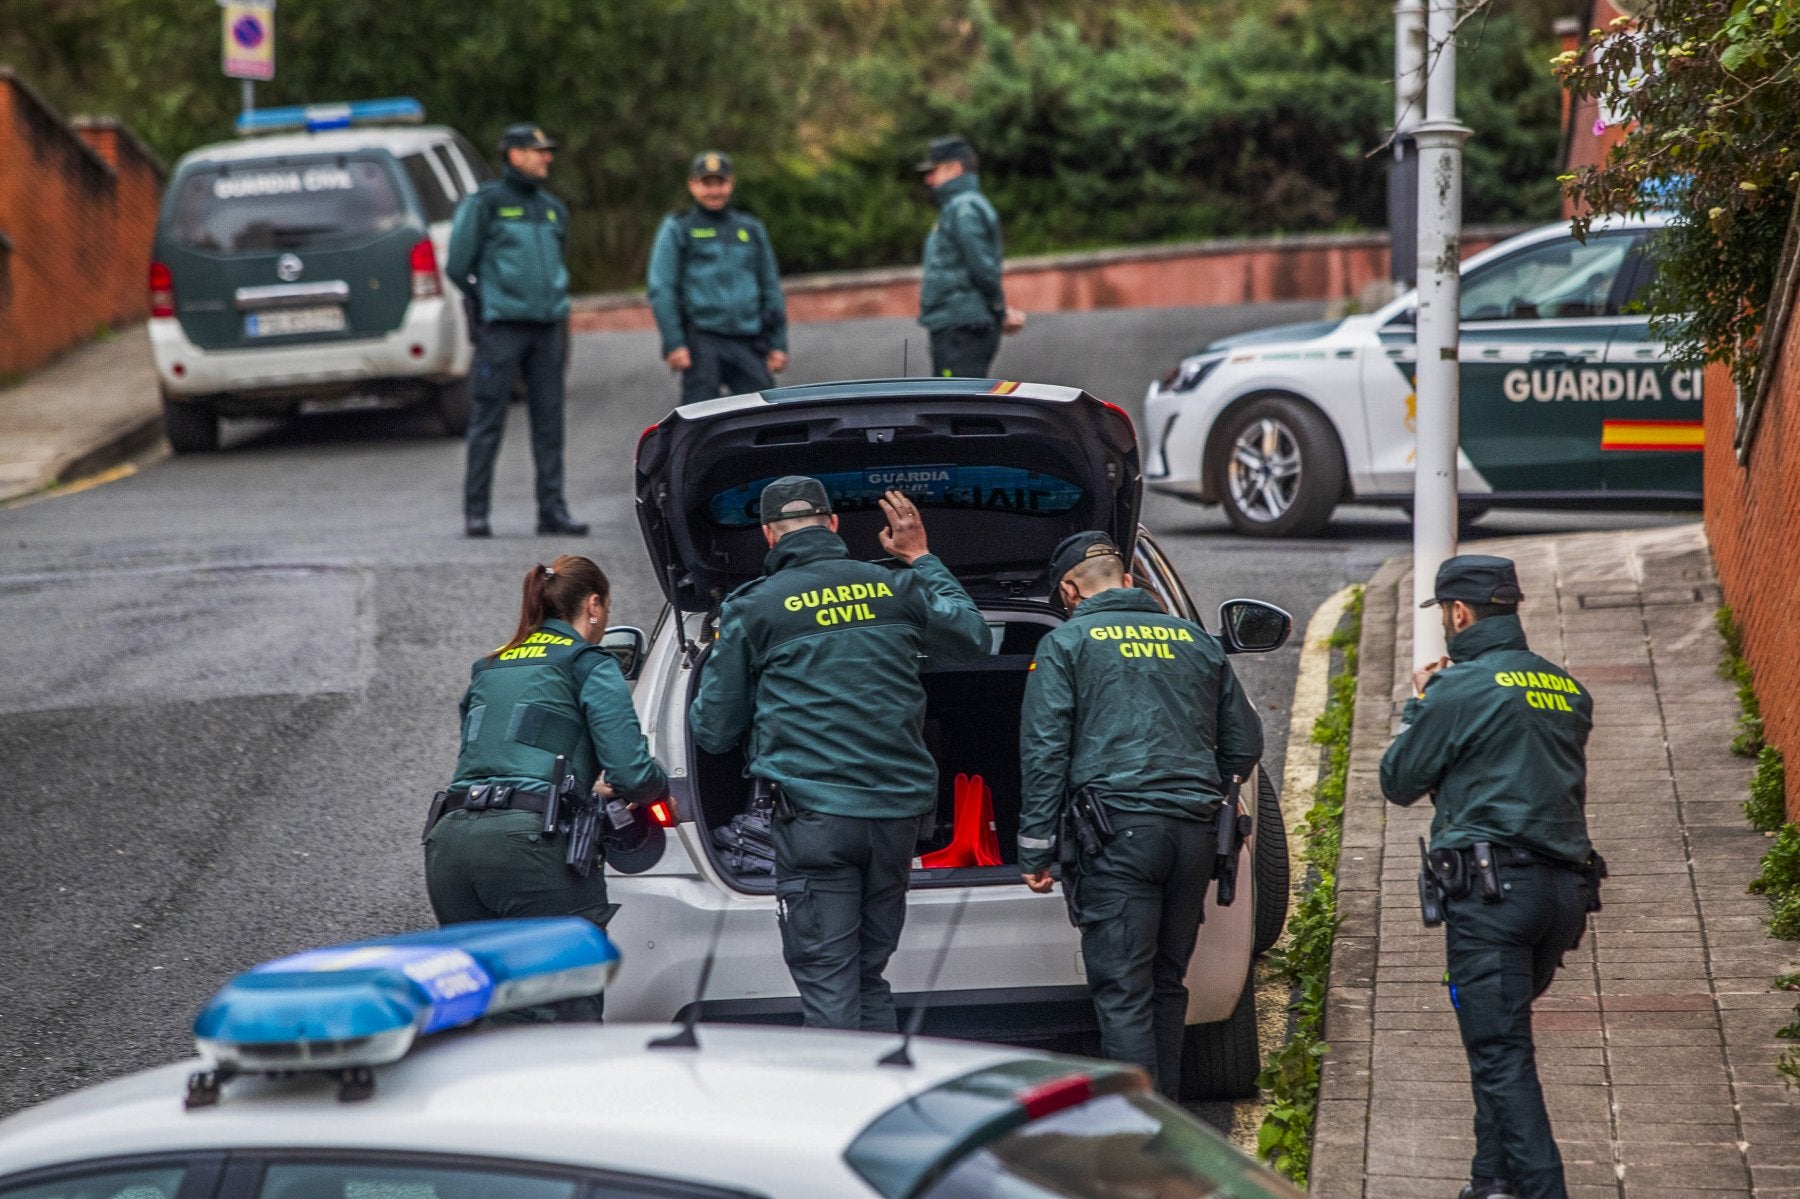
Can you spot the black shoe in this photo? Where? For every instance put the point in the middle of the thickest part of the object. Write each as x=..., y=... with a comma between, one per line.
x=1491, y=1188
x=477, y=526
x=560, y=522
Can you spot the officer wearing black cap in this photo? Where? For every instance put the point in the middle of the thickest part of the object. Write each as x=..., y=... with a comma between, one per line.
x=506, y=245
x=716, y=292
x=1139, y=712
x=818, y=661
x=1498, y=737
x=961, y=302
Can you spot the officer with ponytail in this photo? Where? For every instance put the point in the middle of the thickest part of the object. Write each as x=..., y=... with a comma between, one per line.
x=550, y=692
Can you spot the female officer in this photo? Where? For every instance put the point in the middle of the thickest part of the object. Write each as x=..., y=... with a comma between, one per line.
x=549, y=691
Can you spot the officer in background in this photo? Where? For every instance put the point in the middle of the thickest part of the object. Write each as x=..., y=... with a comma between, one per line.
x=548, y=691
x=819, y=662
x=1155, y=738
x=961, y=302
x=509, y=235
x=715, y=291
x=1498, y=736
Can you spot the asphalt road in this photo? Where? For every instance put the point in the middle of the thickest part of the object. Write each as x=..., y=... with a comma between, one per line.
x=229, y=681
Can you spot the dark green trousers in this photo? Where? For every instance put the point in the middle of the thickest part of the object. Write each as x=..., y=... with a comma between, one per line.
x=505, y=350
x=498, y=865
x=840, y=891
x=1501, y=956
x=1140, y=904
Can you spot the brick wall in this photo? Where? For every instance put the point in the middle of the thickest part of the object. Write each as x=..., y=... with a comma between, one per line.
x=77, y=211
x=1753, y=523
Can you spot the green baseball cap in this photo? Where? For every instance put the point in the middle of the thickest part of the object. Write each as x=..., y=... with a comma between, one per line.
x=783, y=499
x=525, y=137
x=1077, y=548
x=1476, y=579
x=710, y=164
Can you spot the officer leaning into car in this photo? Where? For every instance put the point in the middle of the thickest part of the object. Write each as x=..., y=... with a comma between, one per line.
x=819, y=662
x=509, y=236
x=961, y=302
x=1138, y=712
x=549, y=694
x=716, y=292
x=1498, y=736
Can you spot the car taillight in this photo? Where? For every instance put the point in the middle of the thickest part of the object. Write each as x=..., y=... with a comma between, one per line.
x=162, y=290
x=424, y=271
x=1050, y=1097
x=663, y=812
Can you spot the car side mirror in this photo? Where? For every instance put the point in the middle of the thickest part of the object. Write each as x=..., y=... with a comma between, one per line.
x=1248, y=626
x=627, y=644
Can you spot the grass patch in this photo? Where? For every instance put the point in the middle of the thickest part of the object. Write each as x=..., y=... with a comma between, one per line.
x=1290, y=1079
x=1749, y=741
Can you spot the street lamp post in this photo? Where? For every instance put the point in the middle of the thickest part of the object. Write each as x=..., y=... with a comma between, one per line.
x=1403, y=176
x=1439, y=139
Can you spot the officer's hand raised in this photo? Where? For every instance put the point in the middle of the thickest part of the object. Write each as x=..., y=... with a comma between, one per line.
x=904, y=536
x=1424, y=672
x=1039, y=881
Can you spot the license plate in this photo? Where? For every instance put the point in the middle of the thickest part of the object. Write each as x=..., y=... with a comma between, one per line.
x=280, y=322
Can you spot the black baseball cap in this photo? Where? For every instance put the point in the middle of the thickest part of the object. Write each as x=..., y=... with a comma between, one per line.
x=636, y=847
x=525, y=137
x=947, y=149
x=1476, y=579
x=1077, y=548
x=710, y=164
x=781, y=499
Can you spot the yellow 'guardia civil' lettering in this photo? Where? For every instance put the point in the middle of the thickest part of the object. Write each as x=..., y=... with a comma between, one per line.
x=1538, y=680
x=848, y=594
x=524, y=651
x=1140, y=632
x=844, y=614
x=542, y=638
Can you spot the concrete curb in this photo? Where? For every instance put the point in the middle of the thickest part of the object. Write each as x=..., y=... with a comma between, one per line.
x=121, y=442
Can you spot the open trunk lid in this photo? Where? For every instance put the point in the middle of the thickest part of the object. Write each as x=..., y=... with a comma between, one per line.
x=1003, y=471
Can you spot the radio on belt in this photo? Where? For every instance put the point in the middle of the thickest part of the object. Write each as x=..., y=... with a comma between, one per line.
x=346, y=1009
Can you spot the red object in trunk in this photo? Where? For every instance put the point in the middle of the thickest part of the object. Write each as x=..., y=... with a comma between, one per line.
x=973, y=841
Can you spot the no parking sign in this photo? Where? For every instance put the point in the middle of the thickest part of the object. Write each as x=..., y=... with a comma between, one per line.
x=249, y=28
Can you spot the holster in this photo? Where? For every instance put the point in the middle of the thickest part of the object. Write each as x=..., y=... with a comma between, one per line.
x=1486, y=872
x=1451, y=869
x=1592, y=871
x=1431, y=892
x=433, y=813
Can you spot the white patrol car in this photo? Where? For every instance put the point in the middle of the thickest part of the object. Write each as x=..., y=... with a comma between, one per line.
x=1566, y=400
x=326, y=1076
x=300, y=271
x=1003, y=472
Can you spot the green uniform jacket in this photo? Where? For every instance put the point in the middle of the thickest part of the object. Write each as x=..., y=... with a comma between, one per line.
x=819, y=662
x=961, y=281
x=510, y=235
x=715, y=272
x=1139, y=705
x=554, y=694
x=1501, y=737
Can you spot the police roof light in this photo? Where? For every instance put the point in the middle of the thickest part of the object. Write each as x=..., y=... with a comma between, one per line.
x=362, y=1005
x=314, y=118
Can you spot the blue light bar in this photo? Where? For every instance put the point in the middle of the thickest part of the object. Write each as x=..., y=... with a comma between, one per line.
x=313, y=118
x=364, y=1004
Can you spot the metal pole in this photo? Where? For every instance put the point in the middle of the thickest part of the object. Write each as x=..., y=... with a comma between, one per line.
x=1403, y=173
x=1439, y=139
x=249, y=87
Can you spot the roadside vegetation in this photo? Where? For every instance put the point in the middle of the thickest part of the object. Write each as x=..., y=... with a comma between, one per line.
x=1290, y=1079
x=1137, y=121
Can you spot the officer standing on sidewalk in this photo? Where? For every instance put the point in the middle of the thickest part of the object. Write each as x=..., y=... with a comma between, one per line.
x=716, y=292
x=509, y=236
x=961, y=302
x=1498, y=736
x=819, y=662
x=1154, y=739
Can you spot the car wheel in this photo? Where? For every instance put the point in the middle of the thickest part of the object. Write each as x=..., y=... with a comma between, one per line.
x=1280, y=469
x=1222, y=1060
x=1271, y=864
x=192, y=428
x=451, y=401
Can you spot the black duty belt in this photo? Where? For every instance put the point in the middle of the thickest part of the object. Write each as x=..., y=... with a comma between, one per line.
x=1512, y=855
x=491, y=796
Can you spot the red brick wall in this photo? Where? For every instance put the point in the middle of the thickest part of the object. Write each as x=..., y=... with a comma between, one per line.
x=1753, y=523
x=77, y=210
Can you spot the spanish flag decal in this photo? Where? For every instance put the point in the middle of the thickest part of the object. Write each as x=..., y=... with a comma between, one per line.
x=1652, y=435
x=1003, y=389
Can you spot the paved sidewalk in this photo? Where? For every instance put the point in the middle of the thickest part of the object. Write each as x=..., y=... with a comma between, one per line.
x=93, y=408
x=1656, y=1044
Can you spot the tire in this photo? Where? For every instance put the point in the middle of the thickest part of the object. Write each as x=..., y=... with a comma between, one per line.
x=1280, y=468
x=1271, y=865
x=451, y=402
x=1221, y=1061
x=192, y=428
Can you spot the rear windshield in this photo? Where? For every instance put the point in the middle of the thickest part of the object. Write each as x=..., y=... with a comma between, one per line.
x=991, y=488
x=287, y=204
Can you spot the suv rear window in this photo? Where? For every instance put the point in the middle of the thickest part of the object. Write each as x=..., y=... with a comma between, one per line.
x=990, y=488
x=286, y=204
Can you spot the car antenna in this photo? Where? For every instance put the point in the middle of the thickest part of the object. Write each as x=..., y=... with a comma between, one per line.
x=685, y=1039
x=916, y=1018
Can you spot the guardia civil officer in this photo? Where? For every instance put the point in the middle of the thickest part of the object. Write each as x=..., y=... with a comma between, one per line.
x=549, y=691
x=1141, y=711
x=819, y=662
x=961, y=301
x=716, y=292
x=1498, y=736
